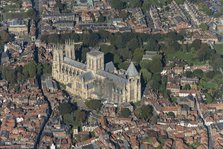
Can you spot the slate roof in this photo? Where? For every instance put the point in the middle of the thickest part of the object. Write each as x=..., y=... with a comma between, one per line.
x=131, y=71
x=87, y=76
x=74, y=63
x=112, y=77
x=95, y=52
x=110, y=67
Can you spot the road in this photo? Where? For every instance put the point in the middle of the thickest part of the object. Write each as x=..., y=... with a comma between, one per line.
x=37, y=8
x=49, y=112
x=208, y=127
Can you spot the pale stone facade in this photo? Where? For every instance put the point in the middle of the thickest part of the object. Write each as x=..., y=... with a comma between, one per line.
x=95, y=80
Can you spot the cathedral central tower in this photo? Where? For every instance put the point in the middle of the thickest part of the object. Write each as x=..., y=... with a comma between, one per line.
x=95, y=60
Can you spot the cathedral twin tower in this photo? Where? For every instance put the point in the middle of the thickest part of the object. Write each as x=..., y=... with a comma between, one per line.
x=95, y=79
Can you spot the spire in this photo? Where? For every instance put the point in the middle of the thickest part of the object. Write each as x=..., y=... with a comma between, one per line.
x=131, y=71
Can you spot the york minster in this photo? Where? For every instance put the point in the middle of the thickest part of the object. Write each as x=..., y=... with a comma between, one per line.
x=95, y=79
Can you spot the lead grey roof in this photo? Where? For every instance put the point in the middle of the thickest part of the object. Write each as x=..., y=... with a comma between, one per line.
x=110, y=67
x=49, y=84
x=74, y=63
x=87, y=76
x=112, y=77
x=131, y=71
x=95, y=52
x=90, y=146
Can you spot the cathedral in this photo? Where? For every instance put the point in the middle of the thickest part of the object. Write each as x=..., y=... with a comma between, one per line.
x=95, y=79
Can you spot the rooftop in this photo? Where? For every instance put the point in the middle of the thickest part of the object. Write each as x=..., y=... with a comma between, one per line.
x=95, y=52
x=131, y=71
x=74, y=63
x=112, y=77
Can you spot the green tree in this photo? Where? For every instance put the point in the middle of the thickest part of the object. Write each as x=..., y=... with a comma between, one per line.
x=94, y=104
x=145, y=64
x=9, y=74
x=156, y=65
x=117, y=59
x=196, y=44
x=204, y=26
x=91, y=39
x=217, y=62
x=152, y=45
x=117, y=41
x=203, y=6
x=186, y=87
x=39, y=69
x=84, y=51
x=4, y=36
x=171, y=114
x=53, y=38
x=125, y=53
x=123, y=65
x=133, y=44
x=204, y=53
x=144, y=113
x=174, y=36
x=198, y=73
x=60, y=5
x=31, y=14
x=65, y=108
x=68, y=118
x=125, y=112
x=188, y=74
x=163, y=86
x=20, y=78
x=80, y=116
x=137, y=55
x=146, y=75
x=135, y=3
x=101, y=18
x=118, y=4
x=210, y=74
x=156, y=82
x=29, y=70
x=47, y=68
x=209, y=98
x=180, y=2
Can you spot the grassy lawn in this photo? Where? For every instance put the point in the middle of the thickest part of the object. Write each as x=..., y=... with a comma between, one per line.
x=12, y=8
x=147, y=140
x=187, y=56
x=219, y=48
x=208, y=85
x=15, y=15
x=213, y=83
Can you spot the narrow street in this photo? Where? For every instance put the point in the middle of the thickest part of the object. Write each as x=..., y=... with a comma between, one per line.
x=208, y=127
x=36, y=8
x=49, y=112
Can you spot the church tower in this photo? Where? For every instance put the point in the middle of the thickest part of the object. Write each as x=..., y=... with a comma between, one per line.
x=134, y=84
x=57, y=59
x=95, y=60
x=70, y=49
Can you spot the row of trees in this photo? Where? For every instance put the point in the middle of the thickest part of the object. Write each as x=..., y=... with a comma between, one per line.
x=72, y=115
x=119, y=40
x=4, y=37
x=126, y=47
x=21, y=74
x=30, y=14
x=145, y=4
x=144, y=112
